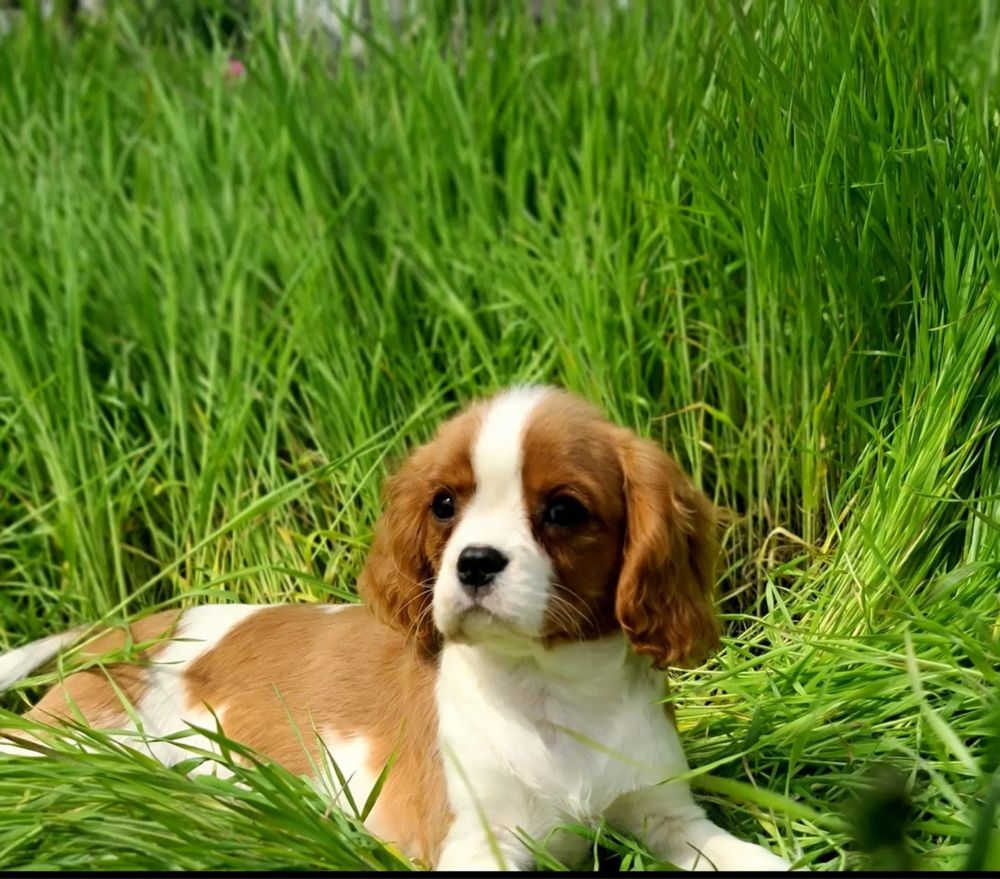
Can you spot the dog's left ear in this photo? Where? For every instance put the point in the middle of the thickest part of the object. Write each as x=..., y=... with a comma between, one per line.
x=664, y=597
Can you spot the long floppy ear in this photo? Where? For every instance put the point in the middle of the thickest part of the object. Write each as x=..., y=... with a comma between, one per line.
x=397, y=580
x=664, y=597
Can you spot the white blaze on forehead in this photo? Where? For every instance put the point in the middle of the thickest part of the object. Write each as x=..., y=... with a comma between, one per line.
x=496, y=517
x=497, y=453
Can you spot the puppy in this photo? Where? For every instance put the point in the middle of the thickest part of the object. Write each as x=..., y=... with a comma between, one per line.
x=534, y=569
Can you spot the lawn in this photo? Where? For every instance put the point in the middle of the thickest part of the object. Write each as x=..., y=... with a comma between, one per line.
x=764, y=234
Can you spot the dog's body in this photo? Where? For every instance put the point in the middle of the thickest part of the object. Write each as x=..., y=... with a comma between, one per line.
x=533, y=567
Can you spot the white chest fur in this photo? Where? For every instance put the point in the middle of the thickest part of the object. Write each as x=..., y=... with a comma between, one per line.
x=540, y=738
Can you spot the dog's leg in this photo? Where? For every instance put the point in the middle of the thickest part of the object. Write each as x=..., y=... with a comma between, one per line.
x=675, y=829
x=468, y=848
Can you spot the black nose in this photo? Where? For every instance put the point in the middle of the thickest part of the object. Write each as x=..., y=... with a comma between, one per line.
x=478, y=565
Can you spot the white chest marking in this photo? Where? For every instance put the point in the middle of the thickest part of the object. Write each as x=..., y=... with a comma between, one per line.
x=540, y=743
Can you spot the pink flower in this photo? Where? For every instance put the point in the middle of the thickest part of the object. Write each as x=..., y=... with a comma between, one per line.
x=235, y=70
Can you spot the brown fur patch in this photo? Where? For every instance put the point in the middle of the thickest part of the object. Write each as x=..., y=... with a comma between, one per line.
x=644, y=559
x=91, y=691
x=568, y=451
x=288, y=672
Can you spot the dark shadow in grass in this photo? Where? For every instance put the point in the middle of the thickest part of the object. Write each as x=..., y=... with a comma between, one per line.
x=984, y=850
x=880, y=817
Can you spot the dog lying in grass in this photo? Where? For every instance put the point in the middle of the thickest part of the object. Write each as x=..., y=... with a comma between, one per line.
x=534, y=568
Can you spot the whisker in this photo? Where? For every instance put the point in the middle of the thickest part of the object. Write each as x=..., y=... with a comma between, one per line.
x=423, y=591
x=576, y=611
x=567, y=614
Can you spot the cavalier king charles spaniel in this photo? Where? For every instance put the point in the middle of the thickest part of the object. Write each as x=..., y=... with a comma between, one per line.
x=535, y=569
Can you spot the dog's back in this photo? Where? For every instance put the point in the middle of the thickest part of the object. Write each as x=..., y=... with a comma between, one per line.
x=304, y=685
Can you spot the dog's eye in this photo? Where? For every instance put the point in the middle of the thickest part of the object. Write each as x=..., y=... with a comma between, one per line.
x=565, y=512
x=443, y=506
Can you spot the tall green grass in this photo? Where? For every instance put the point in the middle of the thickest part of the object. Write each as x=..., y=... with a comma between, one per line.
x=765, y=234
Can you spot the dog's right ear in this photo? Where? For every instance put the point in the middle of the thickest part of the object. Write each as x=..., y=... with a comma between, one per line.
x=397, y=581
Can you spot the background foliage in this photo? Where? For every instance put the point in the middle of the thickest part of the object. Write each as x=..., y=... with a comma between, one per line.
x=765, y=235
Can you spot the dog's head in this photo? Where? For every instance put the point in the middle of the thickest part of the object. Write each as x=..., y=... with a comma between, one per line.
x=529, y=518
